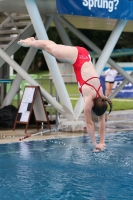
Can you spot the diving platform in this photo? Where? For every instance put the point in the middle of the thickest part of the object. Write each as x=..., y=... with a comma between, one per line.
x=86, y=14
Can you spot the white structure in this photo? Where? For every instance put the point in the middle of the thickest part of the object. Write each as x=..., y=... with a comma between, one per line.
x=42, y=14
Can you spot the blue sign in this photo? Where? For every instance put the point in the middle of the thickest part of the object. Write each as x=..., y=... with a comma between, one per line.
x=126, y=91
x=116, y=9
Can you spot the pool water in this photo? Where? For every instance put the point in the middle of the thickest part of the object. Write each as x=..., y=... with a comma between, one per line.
x=67, y=169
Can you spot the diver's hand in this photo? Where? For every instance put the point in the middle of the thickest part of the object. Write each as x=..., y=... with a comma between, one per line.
x=99, y=147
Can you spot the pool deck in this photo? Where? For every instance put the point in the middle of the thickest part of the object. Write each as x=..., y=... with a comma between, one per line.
x=117, y=121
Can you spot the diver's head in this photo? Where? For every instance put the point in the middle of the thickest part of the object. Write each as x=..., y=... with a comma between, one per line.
x=101, y=105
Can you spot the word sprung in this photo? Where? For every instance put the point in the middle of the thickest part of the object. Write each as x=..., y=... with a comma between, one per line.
x=110, y=5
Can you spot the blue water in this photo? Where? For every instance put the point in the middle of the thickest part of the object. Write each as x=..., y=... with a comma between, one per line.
x=66, y=169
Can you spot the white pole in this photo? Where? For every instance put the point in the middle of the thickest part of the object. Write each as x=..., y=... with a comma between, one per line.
x=94, y=47
x=110, y=46
x=62, y=32
x=51, y=61
x=25, y=65
x=27, y=77
x=11, y=69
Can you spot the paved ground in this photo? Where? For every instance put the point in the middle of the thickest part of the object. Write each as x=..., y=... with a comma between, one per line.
x=120, y=121
x=117, y=121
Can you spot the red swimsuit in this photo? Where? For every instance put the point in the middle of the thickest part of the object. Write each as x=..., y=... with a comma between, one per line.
x=82, y=57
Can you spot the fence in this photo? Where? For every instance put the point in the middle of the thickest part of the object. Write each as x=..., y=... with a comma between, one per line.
x=69, y=80
x=47, y=83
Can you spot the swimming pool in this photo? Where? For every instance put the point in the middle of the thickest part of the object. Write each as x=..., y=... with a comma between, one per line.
x=66, y=169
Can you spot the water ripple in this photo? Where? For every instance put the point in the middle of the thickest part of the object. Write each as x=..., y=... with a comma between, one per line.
x=67, y=169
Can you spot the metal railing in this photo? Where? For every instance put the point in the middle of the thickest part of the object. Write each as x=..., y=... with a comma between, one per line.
x=47, y=83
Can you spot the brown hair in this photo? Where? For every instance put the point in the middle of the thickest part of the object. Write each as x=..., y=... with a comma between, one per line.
x=101, y=105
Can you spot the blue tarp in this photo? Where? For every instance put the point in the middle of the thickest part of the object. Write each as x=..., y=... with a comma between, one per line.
x=127, y=90
x=116, y=9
